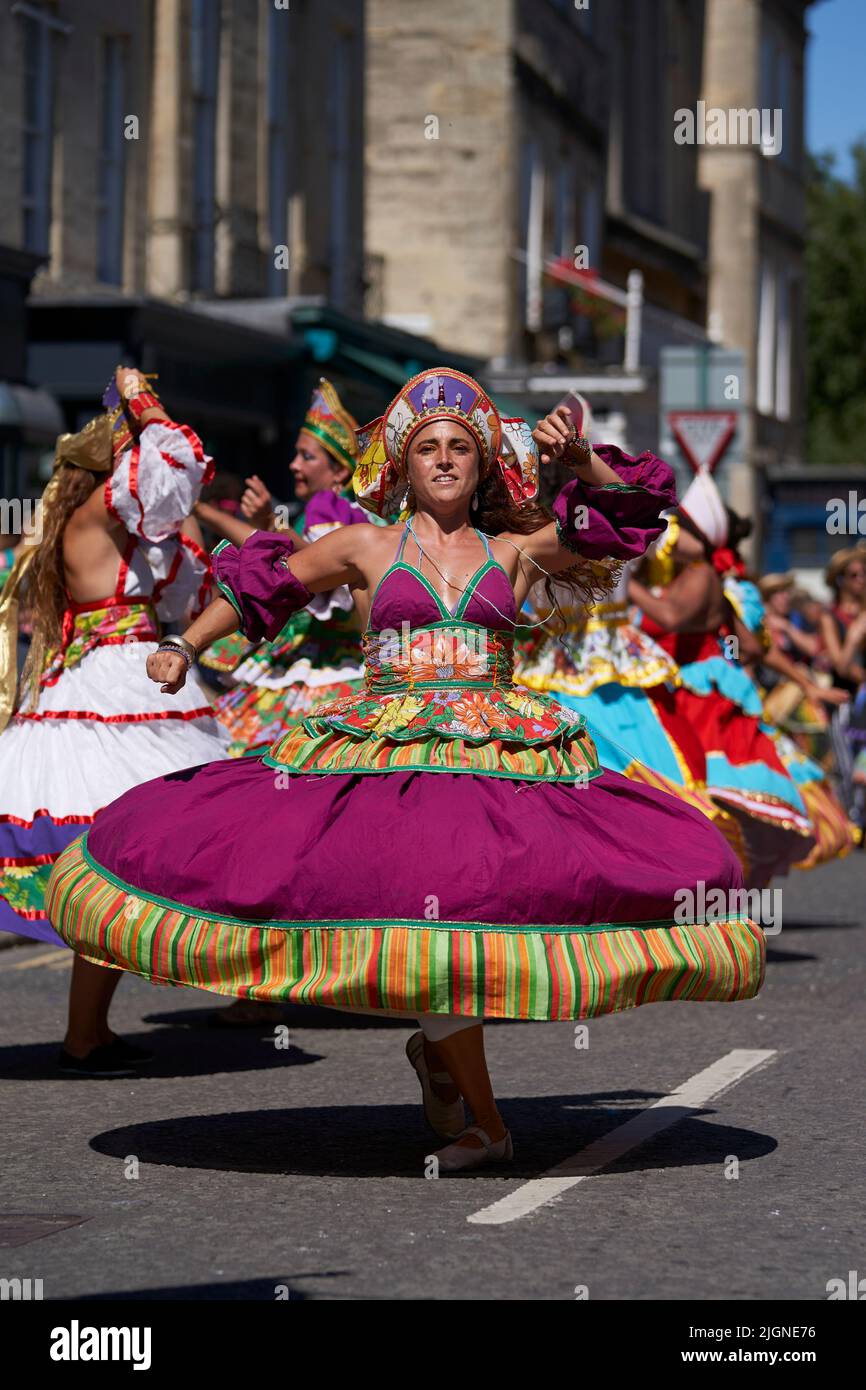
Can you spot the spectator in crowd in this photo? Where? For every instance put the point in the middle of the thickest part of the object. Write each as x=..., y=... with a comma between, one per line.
x=843, y=628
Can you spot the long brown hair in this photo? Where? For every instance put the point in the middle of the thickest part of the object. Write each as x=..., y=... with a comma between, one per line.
x=586, y=581
x=46, y=584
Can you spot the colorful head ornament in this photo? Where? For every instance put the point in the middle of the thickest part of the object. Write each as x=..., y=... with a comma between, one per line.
x=518, y=461
x=441, y=394
x=329, y=422
x=660, y=563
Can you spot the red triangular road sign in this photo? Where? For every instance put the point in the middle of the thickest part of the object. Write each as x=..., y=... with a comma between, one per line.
x=703, y=435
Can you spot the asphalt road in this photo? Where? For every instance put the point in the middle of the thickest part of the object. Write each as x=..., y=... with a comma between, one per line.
x=238, y=1169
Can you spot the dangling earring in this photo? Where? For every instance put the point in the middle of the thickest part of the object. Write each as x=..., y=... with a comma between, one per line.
x=475, y=501
x=405, y=502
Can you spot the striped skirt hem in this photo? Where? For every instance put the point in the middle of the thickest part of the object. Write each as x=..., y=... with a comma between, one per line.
x=540, y=972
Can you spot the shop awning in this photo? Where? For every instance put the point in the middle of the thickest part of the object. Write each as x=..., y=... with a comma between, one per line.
x=32, y=413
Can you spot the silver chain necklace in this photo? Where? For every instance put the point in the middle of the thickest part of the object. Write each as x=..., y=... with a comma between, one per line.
x=555, y=609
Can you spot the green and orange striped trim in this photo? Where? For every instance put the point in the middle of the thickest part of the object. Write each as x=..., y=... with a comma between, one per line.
x=402, y=966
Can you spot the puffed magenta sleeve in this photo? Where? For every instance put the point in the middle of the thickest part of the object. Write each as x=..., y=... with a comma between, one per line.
x=616, y=519
x=258, y=583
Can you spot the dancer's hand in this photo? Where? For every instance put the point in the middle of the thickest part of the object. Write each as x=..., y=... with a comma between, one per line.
x=129, y=380
x=257, y=504
x=168, y=667
x=557, y=438
x=553, y=434
x=830, y=694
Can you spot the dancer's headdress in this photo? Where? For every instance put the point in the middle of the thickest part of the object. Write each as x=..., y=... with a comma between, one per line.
x=702, y=504
x=442, y=394
x=328, y=421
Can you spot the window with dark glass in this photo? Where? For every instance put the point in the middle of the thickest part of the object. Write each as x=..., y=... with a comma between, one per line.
x=204, y=64
x=37, y=129
x=340, y=135
x=277, y=97
x=112, y=160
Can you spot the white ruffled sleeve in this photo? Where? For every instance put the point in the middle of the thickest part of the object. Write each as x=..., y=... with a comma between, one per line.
x=182, y=576
x=157, y=482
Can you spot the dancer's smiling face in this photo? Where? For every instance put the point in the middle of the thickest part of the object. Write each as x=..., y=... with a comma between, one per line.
x=313, y=469
x=442, y=466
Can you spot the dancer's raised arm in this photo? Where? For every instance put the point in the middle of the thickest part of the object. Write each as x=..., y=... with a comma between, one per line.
x=261, y=584
x=612, y=506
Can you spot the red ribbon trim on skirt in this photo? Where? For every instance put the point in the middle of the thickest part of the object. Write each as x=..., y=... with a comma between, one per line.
x=25, y=862
x=205, y=711
x=56, y=820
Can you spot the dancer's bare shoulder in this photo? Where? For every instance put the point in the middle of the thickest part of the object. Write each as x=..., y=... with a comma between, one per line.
x=374, y=547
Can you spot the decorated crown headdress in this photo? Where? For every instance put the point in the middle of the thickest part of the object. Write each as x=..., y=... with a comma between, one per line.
x=441, y=393
x=328, y=421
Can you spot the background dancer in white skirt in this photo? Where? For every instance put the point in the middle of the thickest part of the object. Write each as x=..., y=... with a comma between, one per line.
x=118, y=556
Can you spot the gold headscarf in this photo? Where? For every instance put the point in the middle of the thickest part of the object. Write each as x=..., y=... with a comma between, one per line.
x=90, y=448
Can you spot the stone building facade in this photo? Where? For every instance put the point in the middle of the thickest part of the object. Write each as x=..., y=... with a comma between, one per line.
x=181, y=172
x=479, y=120
x=554, y=140
x=174, y=147
x=754, y=57
x=452, y=169
x=439, y=100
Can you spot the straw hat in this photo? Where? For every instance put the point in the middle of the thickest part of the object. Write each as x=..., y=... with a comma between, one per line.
x=774, y=584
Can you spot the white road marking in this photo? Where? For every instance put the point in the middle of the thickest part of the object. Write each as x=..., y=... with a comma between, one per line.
x=62, y=962
x=42, y=959
x=684, y=1101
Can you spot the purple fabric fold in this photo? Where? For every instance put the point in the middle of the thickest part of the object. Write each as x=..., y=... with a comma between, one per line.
x=263, y=587
x=330, y=508
x=618, y=521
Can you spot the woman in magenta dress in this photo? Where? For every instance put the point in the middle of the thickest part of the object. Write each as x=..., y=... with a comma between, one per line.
x=446, y=846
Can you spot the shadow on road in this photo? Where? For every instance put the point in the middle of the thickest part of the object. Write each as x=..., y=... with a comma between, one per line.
x=811, y=924
x=177, y=1052
x=386, y=1141
x=263, y=1290
x=775, y=956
